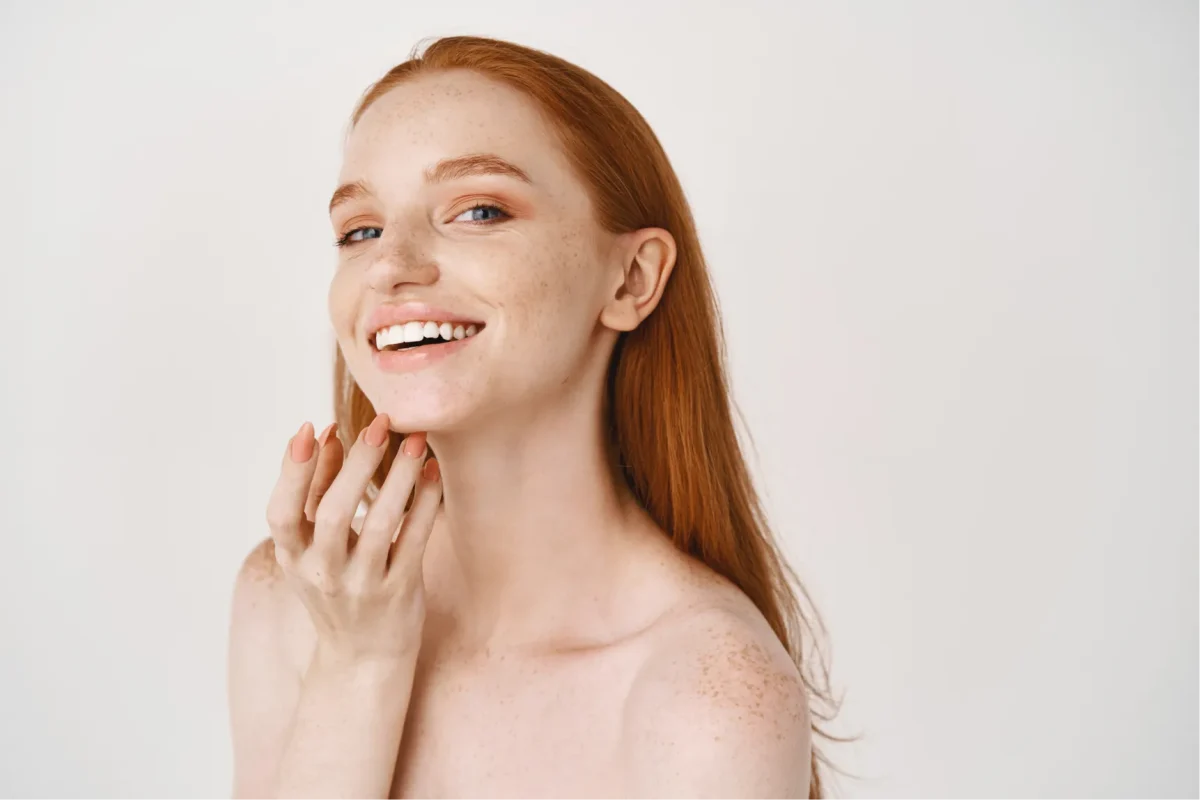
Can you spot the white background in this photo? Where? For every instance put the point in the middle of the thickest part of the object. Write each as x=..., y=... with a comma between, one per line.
x=956, y=248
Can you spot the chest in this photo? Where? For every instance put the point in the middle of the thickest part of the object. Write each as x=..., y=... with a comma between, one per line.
x=515, y=728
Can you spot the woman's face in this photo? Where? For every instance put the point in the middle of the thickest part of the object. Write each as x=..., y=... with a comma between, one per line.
x=456, y=207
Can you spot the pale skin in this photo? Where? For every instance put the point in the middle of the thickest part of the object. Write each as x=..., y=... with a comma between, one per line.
x=530, y=631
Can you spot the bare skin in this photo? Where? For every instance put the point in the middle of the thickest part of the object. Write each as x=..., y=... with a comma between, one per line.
x=538, y=634
x=640, y=715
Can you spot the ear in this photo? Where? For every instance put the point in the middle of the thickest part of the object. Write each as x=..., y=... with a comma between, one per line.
x=646, y=258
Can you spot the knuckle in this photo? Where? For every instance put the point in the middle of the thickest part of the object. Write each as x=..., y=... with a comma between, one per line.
x=360, y=583
x=362, y=458
x=377, y=530
x=329, y=517
x=399, y=565
x=279, y=517
x=403, y=585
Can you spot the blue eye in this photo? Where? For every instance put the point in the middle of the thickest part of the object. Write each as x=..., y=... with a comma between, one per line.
x=358, y=235
x=480, y=213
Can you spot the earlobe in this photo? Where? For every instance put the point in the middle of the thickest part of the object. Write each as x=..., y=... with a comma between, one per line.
x=648, y=261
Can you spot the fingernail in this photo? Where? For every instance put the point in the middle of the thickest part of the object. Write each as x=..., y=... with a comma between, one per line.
x=325, y=434
x=302, y=443
x=432, y=471
x=377, y=431
x=414, y=445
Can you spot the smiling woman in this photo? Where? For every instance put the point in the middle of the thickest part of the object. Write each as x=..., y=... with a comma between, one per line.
x=579, y=594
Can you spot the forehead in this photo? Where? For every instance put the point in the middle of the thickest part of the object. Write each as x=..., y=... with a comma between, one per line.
x=447, y=114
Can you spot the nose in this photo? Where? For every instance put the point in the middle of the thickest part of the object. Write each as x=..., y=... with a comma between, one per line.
x=399, y=261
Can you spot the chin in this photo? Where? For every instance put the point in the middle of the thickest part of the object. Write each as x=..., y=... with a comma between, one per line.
x=414, y=405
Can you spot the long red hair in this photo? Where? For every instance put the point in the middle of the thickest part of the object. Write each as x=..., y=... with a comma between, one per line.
x=668, y=399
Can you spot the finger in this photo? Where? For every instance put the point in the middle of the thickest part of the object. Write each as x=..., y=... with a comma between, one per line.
x=409, y=548
x=383, y=518
x=285, y=509
x=338, y=506
x=329, y=463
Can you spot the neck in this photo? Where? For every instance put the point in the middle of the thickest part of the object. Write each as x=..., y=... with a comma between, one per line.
x=536, y=528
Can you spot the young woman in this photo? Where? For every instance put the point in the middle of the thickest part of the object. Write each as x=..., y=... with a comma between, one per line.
x=578, y=595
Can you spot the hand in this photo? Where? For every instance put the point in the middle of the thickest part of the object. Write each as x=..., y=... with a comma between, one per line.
x=364, y=592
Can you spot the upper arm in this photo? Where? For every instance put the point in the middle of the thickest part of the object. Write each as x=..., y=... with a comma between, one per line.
x=720, y=711
x=263, y=681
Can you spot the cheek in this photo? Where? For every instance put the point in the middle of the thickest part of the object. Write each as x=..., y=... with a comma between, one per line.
x=559, y=301
x=341, y=304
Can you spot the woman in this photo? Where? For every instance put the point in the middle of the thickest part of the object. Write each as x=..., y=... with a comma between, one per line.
x=578, y=594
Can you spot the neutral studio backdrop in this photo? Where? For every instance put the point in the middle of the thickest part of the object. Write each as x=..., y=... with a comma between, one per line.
x=956, y=250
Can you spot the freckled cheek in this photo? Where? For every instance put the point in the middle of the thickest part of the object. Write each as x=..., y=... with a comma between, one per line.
x=551, y=303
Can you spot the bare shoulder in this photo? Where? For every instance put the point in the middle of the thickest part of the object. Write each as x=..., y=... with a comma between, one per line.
x=260, y=568
x=259, y=598
x=257, y=590
x=718, y=708
x=266, y=612
x=266, y=648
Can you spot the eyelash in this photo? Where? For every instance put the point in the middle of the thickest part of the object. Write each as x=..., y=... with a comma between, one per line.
x=344, y=239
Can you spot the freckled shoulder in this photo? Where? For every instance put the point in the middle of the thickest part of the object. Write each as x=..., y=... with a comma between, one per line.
x=718, y=709
x=265, y=604
x=260, y=566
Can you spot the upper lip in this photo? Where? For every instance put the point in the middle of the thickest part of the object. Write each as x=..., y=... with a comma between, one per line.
x=392, y=314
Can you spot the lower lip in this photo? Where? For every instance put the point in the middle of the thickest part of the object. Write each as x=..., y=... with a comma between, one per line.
x=418, y=357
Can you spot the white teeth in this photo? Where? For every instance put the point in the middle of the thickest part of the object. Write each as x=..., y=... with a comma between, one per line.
x=388, y=336
x=418, y=331
x=414, y=331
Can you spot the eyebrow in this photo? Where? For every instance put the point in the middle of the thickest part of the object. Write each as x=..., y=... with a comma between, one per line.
x=447, y=169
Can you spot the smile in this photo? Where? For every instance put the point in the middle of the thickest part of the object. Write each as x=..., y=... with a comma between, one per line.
x=409, y=346
x=409, y=335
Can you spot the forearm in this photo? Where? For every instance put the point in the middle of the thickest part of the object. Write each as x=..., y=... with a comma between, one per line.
x=346, y=732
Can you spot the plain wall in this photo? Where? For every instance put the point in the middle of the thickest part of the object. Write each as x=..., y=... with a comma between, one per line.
x=956, y=249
